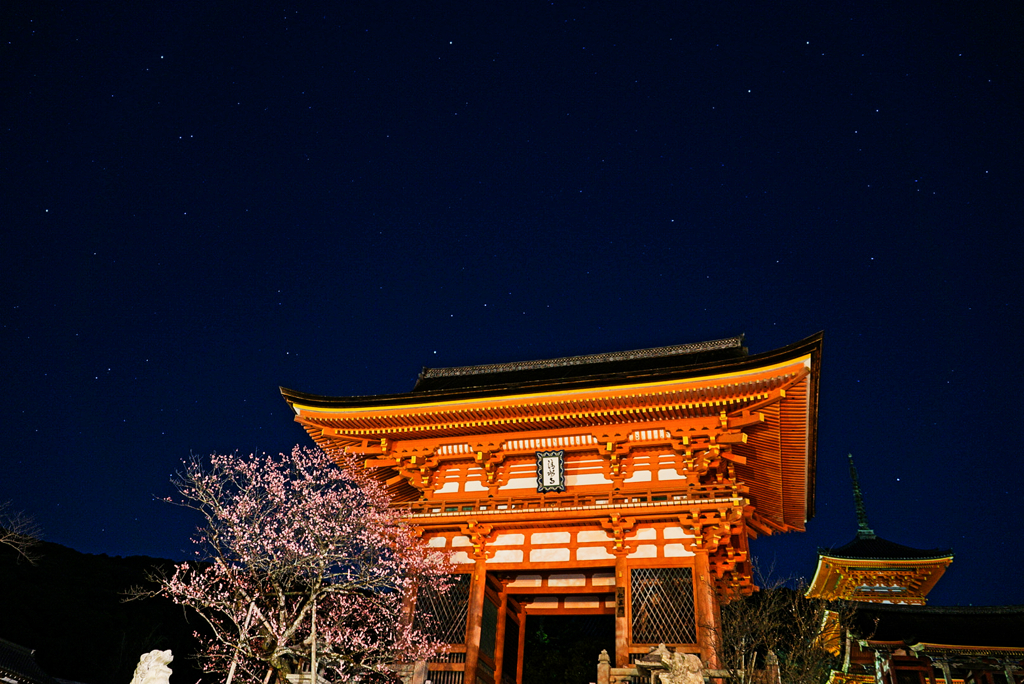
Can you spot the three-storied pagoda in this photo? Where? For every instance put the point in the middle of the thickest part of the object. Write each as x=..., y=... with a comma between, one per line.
x=624, y=484
x=892, y=636
x=876, y=570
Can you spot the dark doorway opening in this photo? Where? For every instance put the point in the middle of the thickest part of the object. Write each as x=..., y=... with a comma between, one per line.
x=564, y=648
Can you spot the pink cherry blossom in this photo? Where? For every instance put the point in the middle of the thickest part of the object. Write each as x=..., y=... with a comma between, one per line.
x=284, y=534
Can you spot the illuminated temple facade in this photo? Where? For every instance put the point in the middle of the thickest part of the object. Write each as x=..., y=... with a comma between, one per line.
x=622, y=484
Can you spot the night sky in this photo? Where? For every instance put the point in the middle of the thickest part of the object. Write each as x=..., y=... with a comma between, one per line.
x=202, y=201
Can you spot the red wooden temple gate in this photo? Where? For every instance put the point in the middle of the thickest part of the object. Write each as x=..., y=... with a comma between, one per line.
x=625, y=484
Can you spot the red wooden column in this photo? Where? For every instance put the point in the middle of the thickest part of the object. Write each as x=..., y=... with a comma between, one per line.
x=522, y=646
x=708, y=624
x=477, y=591
x=621, y=611
x=499, y=634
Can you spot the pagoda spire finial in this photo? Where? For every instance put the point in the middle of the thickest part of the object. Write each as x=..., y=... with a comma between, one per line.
x=863, y=530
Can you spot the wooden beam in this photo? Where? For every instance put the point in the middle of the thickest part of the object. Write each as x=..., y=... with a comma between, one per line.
x=604, y=610
x=380, y=463
x=394, y=480
x=640, y=510
x=546, y=590
x=746, y=419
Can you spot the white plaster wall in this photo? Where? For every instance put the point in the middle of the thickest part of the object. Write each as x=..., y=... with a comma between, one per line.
x=640, y=476
x=676, y=551
x=593, y=553
x=544, y=602
x=509, y=540
x=520, y=483
x=568, y=580
x=550, y=538
x=549, y=555
x=526, y=581
x=586, y=479
x=645, y=551
x=506, y=556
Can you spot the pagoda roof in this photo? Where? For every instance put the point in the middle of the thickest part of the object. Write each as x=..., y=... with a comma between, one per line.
x=978, y=626
x=875, y=548
x=18, y=664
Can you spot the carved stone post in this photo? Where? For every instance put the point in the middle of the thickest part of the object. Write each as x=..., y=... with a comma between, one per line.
x=772, y=672
x=420, y=672
x=604, y=668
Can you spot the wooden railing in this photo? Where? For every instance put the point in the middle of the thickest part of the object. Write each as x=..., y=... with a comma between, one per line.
x=449, y=667
x=537, y=502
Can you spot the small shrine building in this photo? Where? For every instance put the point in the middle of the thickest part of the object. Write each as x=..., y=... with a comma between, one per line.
x=622, y=484
x=874, y=570
x=893, y=637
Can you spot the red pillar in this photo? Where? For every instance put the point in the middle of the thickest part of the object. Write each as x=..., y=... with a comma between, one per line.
x=477, y=589
x=522, y=646
x=499, y=636
x=708, y=624
x=622, y=611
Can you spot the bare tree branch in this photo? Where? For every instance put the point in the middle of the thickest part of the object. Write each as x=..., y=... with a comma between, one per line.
x=777, y=624
x=20, y=532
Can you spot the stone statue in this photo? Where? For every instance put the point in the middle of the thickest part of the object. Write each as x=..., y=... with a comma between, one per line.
x=676, y=668
x=153, y=668
x=683, y=668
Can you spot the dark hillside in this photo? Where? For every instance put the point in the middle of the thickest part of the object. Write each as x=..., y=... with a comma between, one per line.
x=69, y=607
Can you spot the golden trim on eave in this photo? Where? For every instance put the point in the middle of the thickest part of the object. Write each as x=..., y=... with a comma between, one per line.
x=534, y=399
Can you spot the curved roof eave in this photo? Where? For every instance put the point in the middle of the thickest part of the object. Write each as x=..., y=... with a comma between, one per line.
x=810, y=344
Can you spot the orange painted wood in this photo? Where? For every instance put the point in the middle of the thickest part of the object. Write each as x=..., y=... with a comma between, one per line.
x=499, y=637
x=477, y=596
x=708, y=626
x=522, y=648
x=622, y=622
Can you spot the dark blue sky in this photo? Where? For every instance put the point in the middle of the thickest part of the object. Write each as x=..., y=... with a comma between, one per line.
x=203, y=201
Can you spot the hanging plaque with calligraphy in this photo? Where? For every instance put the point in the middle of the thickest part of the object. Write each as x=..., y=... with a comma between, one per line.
x=551, y=471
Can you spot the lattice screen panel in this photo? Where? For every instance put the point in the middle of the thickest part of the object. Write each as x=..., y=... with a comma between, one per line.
x=662, y=606
x=445, y=614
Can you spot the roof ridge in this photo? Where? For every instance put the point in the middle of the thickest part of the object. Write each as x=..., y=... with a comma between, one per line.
x=653, y=352
x=905, y=609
